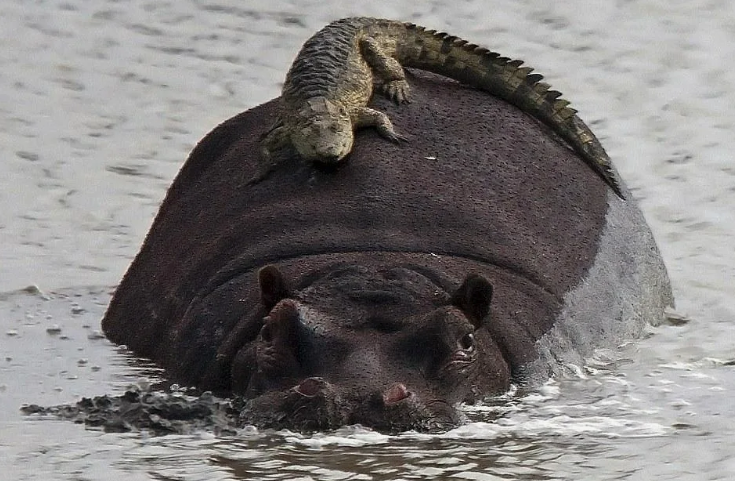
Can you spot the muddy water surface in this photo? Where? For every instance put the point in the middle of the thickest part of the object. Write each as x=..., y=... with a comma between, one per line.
x=100, y=103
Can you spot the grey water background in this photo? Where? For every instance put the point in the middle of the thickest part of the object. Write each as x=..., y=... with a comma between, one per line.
x=101, y=102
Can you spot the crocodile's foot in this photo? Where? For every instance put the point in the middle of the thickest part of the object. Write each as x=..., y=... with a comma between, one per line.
x=396, y=90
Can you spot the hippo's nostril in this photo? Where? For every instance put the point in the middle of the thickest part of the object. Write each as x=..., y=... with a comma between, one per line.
x=396, y=393
x=310, y=387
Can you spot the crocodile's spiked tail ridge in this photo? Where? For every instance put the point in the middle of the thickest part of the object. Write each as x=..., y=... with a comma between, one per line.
x=508, y=79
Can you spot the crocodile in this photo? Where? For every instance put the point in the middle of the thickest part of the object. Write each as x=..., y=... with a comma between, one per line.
x=325, y=95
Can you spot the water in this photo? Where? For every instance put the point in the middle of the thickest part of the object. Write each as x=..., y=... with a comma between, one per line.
x=100, y=103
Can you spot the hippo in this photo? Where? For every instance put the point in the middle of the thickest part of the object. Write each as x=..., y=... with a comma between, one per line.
x=481, y=254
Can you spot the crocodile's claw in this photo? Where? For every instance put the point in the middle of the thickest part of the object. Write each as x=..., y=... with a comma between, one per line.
x=397, y=91
x=394, y=136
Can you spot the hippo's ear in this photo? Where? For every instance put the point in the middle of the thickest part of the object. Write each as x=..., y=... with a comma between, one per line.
x=273, y=287
x=473, y=298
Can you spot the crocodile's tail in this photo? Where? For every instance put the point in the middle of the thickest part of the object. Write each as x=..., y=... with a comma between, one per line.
x=478, y=67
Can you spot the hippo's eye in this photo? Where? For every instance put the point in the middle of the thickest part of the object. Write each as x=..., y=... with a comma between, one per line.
x=467, y=343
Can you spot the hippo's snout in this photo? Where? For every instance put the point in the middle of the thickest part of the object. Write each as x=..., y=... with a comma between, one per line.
x=316, y=404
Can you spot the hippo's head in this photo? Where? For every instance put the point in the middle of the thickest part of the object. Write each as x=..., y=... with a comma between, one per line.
x=386, y=348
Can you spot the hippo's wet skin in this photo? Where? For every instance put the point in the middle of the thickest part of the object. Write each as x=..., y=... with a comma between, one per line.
x=387, y=291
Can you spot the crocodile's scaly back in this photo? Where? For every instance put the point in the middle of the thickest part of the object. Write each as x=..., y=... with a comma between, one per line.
x=505, y=78
x=320, y=66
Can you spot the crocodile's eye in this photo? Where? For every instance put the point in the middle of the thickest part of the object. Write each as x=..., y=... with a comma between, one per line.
x=467, y=343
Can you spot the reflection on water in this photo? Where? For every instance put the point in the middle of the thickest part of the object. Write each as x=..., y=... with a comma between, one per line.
x=100, y=103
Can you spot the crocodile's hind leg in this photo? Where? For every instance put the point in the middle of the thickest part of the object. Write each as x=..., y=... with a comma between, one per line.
x=388, y=70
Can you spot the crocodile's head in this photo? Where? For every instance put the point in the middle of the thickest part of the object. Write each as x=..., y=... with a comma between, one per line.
x=323, y=131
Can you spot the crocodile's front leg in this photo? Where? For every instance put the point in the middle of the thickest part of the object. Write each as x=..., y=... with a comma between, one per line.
x=275, y=146
x=390, y=72
x=367, y=117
